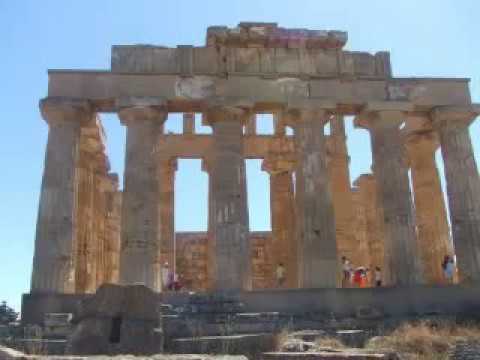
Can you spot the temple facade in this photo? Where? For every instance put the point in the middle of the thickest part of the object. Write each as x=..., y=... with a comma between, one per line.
x=89, y=232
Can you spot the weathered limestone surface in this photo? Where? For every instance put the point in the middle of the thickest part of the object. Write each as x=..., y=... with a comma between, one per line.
x=140, y=210
x=280, y=166
x=305, y=79
x=463, y=186
x=337, y=164
x=391, y=172
x=112, y=231
x=117, y=320
x=316, y=221
x=229, y=199
x=430, y=213
x=53, y=264
x=369, y=228
x=166, y=206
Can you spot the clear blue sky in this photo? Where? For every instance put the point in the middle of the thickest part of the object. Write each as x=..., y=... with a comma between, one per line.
x=425, y=38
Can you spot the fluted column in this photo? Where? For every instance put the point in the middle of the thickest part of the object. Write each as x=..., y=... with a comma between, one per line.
x=53, y=262
x=401, y=257
x=282, y=205
x=371, y=211
x=463, y=186
x=85, y=245
x=316, y=222
x=211, y=267
x=430, y=212
x=188, y=123
x=337, y=164
x=112, y=229
x=167, y=214
x=140, y=210
x=229, y=199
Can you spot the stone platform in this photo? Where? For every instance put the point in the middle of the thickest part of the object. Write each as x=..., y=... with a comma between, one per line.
x=316, y=303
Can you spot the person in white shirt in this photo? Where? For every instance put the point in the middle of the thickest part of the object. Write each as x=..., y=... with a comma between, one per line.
x=166, y=277
x=448, y=269
x=347, y=272
x=378, y=276
x=280, y=274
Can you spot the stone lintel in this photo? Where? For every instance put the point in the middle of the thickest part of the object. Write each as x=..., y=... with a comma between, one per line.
x=140, y=101
x=131, y=115
x=454, y=115
x=376, y=106
x=58, y=110
x=383, y=114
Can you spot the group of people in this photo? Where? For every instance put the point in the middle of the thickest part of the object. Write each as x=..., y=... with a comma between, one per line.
x=360, y=276
x=170, y=279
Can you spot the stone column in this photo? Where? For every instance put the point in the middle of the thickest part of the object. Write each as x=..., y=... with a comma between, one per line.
x=430, y=213
x=167, y=217
x=229, y=199
x=112, y=230
x=463, y=186
x=371, y=212
x=338, y=162
x=251, y=125
x=53, y=262
x=316, y=222
x=400, y=258
x=85, y=246
x=188, y=123
x=140, y=208
x=211, y=271
x=282, y=204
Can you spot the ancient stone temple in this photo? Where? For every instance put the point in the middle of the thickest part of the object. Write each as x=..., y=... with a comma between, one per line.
x=89, y=232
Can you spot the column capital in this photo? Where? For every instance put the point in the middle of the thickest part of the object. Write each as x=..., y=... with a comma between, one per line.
x=278, y=164
x=229, y=111
x=304, y=110
x=135, y=114
x=59, y=110
x=451, y=117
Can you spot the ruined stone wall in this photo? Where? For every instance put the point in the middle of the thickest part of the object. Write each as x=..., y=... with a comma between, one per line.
x=192, y=264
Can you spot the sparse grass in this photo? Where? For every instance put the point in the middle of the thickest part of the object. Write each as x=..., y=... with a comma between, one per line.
x=329, y=342
x=425, y=340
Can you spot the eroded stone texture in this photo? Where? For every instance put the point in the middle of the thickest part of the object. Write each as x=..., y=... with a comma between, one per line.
x=430, y=213
x=140, y=212
x=117, y=320
x=166, y=205
x=281, y=165
x=316, y=222
x=337, y=164
x=229, y=199
x=393, y=189
x=463, y=186
x=53, y=263
x=369, y=223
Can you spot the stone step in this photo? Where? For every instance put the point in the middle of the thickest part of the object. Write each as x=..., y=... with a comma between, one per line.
x=250, y=345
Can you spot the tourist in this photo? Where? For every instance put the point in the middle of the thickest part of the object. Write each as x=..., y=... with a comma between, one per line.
x=378, y=276
x=166, y=277
x=363, y=277
x=347, y=272
x=177, y=283
x=448, y=267
x=280, y=274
